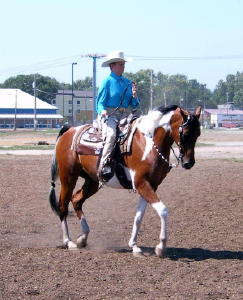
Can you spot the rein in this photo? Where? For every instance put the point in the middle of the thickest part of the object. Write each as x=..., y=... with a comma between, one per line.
x=121, y=101
x=166, y=160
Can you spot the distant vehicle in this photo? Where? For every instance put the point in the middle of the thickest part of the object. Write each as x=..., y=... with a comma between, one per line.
x=229, y=125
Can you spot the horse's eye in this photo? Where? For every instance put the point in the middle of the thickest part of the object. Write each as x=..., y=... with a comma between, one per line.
x=185, y=137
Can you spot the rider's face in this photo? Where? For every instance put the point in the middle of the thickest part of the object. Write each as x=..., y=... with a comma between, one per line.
x=118, y=68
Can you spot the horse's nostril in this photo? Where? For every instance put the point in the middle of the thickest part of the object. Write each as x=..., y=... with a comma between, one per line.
x=187, y=165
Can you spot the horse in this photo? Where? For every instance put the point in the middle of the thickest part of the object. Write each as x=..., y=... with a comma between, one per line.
x=146, y=165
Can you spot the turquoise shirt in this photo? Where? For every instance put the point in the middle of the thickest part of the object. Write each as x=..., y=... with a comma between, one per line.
x=111, y=92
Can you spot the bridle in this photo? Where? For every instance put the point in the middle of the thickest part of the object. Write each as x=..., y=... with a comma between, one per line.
x=181, y=135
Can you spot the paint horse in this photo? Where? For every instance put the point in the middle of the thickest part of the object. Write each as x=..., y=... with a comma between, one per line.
x=145, y=166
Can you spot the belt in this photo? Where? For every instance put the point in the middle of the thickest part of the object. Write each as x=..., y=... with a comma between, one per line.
x=121, y=109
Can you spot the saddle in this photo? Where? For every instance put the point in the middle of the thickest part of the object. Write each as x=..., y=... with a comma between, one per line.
x=88, y=141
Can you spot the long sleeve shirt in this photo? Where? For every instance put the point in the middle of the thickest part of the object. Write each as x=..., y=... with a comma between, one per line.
x=114, y=90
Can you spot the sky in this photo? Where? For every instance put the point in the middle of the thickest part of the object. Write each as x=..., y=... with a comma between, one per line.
x=200, y=39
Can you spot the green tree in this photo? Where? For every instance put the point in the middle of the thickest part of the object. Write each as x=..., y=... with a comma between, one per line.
x=85, y=84
x=229, y=91
x=238, y=99
x=46, y=86
x=219, y=94
x=142, y=80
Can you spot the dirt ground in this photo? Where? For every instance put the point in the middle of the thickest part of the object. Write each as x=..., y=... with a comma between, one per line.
x=204, y=256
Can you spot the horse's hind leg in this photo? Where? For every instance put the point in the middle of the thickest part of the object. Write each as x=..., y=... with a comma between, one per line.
x=65, y=197
x=88, y=189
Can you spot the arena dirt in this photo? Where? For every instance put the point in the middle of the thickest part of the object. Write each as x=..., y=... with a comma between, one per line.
x=204, y=256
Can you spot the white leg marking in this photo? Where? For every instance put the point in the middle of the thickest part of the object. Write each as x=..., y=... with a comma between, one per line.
x=142, y=204
x=66, y=238
x=163, y=214
x=82, y=240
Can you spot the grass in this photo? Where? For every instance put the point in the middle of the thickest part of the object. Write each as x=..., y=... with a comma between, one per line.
x=204, y=145
x=28, y=147
x=238, y=160
x=47, y=132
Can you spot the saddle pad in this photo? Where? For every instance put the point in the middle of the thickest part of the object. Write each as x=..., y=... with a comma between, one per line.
x=87, y=150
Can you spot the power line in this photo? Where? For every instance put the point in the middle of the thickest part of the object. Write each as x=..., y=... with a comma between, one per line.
x=138, y=57
x=59, y=62
x=55, y=63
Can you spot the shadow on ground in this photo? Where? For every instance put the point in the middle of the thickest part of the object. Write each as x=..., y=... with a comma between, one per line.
x=194, y=254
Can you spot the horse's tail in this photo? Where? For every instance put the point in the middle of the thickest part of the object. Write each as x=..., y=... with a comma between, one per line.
x=54, y=175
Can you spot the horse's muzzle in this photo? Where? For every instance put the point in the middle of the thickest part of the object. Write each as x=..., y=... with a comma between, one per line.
x=188, y=164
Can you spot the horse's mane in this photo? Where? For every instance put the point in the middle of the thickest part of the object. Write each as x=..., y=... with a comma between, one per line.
x=64, y=128
x=154, y=119
x=165, y=110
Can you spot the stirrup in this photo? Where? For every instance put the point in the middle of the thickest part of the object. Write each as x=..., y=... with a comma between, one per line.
x=105, y=174
x=106, y=170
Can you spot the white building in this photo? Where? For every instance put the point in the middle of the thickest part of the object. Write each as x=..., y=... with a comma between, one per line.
x=19, y=109
x=228, y=118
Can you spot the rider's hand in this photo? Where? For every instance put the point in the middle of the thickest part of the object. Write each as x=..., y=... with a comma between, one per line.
x=134, y=90
x=104, y=114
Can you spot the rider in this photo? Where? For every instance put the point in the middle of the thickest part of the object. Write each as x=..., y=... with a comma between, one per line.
x=115, y=95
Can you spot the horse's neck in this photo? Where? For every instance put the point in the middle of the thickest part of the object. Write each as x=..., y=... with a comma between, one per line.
x=163, y=139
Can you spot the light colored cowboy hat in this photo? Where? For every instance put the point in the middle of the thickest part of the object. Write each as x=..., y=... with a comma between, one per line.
x=115, y=56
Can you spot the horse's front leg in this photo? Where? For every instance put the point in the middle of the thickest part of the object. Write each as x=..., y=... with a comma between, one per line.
x=148, y=193
x=142, y=204
x=162, y=211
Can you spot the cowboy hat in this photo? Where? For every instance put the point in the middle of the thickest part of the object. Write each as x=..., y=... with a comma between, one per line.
x=115, y=56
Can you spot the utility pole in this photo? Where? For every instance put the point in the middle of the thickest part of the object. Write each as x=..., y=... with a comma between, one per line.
x=94, y=57
x=165, y=99
x=15, y=110
x=151, y=89
x=34, y=87
x=227, y=105
x=63, y=98
x=74, y=63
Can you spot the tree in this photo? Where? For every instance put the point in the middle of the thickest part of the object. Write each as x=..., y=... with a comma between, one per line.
x=167, y=90
x=219, y=95
x=230, y=90
x=194, y=96
x=46, y=86
x=238, y=99
x=142, y=80
x=85, y=84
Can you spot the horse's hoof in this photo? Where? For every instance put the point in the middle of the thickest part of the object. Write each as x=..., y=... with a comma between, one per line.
x=138, y=254
x=81, y=242
x=159, y=252
x=71, y=245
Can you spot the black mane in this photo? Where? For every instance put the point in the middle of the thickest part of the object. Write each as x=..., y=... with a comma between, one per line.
x=64, y=128
x=165, y=110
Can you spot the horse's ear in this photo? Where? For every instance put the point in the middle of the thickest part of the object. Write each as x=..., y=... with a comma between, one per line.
x=184, y=114
x=198, y=111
